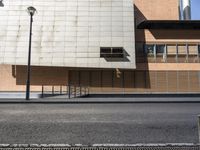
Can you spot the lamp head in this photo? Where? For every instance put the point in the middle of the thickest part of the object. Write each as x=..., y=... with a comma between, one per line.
x=31, y=10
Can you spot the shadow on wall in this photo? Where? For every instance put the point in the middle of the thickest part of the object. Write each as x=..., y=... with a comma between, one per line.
x=109, y=80
x=106, y=80
x=175, y=34
x=141, y=57
x=41, y=75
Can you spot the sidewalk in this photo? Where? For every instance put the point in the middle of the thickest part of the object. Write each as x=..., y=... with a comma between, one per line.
x=107, y=100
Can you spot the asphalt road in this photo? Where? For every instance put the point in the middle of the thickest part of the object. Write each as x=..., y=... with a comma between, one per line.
x=98, y=123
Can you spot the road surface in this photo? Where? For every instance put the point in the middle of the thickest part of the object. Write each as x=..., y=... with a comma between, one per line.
x=98, y=123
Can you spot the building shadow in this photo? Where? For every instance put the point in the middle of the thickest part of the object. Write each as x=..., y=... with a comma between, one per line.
x=141, y=56
x=175, y=34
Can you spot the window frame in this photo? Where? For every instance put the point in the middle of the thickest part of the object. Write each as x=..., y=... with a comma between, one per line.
x=110, y=52
x=153, y=50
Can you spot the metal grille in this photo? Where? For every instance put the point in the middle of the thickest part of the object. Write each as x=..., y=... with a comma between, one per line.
x=111, y=148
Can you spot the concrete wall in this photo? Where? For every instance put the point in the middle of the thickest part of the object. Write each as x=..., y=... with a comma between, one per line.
x=67, y=32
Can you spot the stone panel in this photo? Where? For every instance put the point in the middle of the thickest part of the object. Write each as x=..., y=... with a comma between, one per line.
x=67, y=32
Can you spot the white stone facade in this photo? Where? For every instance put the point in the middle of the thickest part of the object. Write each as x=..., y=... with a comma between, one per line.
x=67, y=32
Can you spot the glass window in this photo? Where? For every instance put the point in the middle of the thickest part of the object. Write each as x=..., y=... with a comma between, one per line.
x=192, y=49
x=117, y=50
x=111, y=52
x=199, y=50
x=150, y=50
x=160, y=53
x=192, y=53
x=160, y=49
x=182, y=49
x=182, y=54
x=171, y=53
x=105, y=50
x=171, y=49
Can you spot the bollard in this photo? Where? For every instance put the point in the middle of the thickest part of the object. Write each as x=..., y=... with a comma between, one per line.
x=199, y=126
x=60, y=90
x=80, y=91
x=74, y=91
x=42, y=91
x=52, y=90
x=69, y=91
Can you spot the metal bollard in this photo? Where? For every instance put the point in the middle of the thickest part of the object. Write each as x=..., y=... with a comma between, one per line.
x=42, y=91
x=69, y=91
x=52, y=90
x=60, y=90
x=75, y=92
x=80, y=91
x=199, y=126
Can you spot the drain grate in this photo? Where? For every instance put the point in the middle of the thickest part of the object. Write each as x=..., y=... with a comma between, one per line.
x=111, y=148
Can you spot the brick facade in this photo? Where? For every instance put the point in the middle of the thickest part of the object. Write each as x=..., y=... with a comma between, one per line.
x=150, y=76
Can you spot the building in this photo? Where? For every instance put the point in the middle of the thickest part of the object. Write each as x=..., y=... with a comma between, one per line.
x=111, y=46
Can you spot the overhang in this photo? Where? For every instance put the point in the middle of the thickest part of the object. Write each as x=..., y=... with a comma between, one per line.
x=170, y=24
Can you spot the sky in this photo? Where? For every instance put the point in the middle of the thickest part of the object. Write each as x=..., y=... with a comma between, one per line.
x=195, y=9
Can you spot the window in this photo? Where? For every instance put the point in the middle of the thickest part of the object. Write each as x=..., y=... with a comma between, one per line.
x=117, y=50
x=171, y=53
x=182, y=53
x=199, y=50
x=105, y=50
x=192, y=49
x=160, y=49
x=150, y=53
x=182, y=50
x=111, y=52
x=160, y=53
x=171, y=50
x=150, y=50
x=193, y=53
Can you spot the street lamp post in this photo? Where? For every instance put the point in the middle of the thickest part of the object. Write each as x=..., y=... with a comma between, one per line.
x=31, y=10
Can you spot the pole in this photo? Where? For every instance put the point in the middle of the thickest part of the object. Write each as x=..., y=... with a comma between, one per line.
x=29, y=61
x=199, y=126
x=69, y=91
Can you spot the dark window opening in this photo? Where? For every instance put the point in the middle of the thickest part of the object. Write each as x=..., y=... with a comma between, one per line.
x=199, y=49
x=106, y=50
x=117, y=50
x=160, y=53
x=150, y=50
x=160, y=49
x=111, y=52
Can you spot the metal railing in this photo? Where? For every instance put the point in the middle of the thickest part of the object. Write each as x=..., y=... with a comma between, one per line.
x=70, y=91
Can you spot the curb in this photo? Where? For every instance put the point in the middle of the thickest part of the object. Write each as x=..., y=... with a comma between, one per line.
x=97, y=145
x=94, y=102
x=83, y=101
